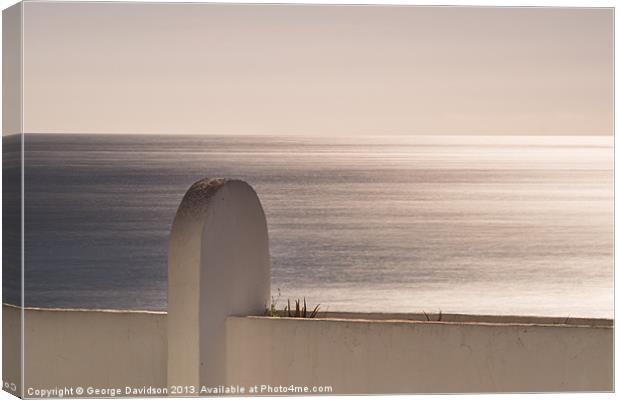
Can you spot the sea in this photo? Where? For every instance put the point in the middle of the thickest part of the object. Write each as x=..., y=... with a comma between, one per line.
x=385, y=223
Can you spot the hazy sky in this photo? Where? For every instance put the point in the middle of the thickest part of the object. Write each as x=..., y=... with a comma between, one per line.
x=293, y=69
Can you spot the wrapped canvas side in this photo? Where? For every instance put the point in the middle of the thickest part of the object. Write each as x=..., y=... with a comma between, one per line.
x=12, y=201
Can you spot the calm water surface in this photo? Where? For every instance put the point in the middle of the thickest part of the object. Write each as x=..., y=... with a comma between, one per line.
x=504, y=225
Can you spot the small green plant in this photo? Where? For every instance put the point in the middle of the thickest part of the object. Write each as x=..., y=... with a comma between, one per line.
x=272, y=310
x=439, y=316
x=301, y=309
x=300, y=312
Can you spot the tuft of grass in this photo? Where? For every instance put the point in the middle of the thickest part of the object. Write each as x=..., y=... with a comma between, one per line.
x=428, y=318
x=272, y=310
x=301, y=308
x=301, y=311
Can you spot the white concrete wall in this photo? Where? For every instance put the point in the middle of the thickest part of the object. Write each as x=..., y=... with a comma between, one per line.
x=383, y=356
x=87, y=348
x=11, y=349
x=448, y=317
x=118, y=349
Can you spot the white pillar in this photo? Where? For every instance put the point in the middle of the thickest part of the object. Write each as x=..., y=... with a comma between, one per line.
x=218, y=265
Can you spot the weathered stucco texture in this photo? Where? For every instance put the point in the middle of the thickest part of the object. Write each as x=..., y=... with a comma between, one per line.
x=383, y=356
x=87, y=348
